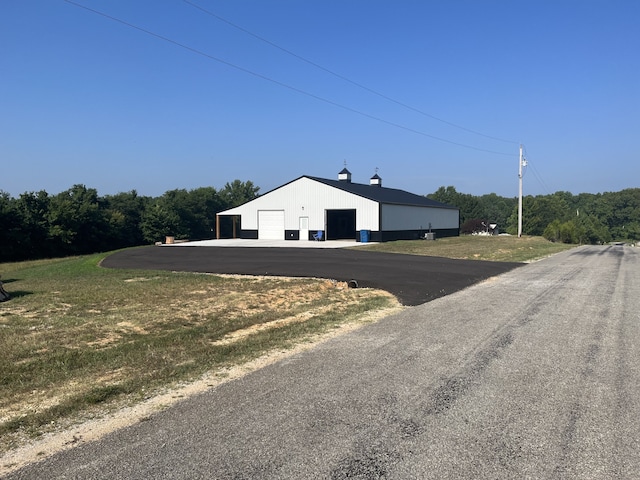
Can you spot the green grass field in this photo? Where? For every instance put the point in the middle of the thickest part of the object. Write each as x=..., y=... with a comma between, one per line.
x=472, y=247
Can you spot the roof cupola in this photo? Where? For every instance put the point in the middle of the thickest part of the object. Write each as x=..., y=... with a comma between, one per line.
x=376, y=180
x=344, y=175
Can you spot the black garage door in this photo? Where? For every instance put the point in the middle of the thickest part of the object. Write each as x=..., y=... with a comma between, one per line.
x=341, y=224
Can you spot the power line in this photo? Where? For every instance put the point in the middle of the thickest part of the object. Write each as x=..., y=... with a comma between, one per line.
x=537, y=174
x=539, y=178
x=342, y=77
x=279, y=83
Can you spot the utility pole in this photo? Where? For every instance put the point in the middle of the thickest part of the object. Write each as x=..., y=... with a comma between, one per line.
x=521, y=163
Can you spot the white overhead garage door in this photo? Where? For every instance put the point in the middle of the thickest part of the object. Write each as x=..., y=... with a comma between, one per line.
x=271, y=224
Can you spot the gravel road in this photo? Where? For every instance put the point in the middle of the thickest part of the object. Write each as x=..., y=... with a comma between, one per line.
x=531, y=374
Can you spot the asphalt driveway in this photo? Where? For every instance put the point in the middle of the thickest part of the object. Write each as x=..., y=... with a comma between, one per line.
x=412, y=279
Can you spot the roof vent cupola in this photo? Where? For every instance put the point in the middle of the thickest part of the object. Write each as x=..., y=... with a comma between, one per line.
x=344, y=175
x=375, y=181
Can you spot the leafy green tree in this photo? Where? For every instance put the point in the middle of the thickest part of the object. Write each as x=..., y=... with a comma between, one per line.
x=571, y=232
x=469, y=205
x=496, y=209
x=202, y=204
x=237, y=192
x=182, y=214
x=625, y=213
x=123, y=213
x=34, y=217
x=77, y=222
x=593, y=230
x=160, y=220
x=552, y=231
x=448, y=195
x=538, y=213
x=11, y=237
x=566, y=232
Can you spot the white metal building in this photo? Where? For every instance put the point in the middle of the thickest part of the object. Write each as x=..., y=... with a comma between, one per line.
x=310, y=207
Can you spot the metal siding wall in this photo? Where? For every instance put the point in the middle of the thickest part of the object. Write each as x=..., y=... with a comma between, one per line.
x=402, y=217
x=308, y=198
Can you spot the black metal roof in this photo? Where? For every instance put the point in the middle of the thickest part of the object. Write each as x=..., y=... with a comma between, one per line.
x=382, y=194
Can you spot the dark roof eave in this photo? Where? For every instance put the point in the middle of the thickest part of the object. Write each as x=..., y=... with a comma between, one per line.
x=407, y=204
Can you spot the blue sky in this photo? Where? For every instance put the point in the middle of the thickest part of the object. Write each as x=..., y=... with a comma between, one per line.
x=432, y=93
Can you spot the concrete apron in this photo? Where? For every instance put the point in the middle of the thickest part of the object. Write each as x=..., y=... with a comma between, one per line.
x=238, y=242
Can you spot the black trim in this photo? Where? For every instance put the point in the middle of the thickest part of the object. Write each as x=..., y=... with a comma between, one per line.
x=447, y=232
x=391, y=236
x=375, y=236
x=249, y=234
x=292, y=234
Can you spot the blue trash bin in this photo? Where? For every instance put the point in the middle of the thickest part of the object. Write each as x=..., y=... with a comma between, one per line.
x=364, y=236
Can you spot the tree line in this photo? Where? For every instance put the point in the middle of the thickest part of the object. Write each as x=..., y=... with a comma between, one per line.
x=559, y=217
x=79, y=221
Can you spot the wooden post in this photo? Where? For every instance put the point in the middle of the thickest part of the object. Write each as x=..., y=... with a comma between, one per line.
x=217, y=227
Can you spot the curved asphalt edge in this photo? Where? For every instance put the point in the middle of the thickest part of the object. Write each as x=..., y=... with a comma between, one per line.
x=413, y=279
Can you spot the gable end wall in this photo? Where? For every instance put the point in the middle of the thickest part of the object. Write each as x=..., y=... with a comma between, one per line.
x=307, y=198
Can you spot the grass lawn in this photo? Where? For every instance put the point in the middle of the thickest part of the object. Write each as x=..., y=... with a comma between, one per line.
x=476, y=247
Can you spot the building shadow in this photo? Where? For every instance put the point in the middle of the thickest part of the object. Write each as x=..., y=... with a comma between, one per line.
x=14, y=293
